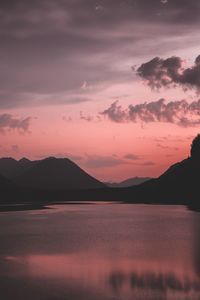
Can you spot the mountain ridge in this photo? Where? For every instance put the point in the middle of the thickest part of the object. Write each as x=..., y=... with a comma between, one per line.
x=57, y=173
x=128, y=182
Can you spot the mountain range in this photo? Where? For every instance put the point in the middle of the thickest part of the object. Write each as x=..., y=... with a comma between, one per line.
x=55, y=173
x=128, y=182
x=47, y=174
x=56, y=179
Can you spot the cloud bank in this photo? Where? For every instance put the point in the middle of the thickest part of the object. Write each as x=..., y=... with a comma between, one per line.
x=56, y=52
x=181, y=112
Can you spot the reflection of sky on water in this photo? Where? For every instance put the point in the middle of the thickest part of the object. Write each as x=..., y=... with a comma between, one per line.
x=105, y=252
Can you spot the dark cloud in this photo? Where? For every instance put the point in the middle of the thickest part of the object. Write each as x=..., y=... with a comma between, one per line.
x=169, y=72
x=55, y=14
x=49, y=48
x=8, y=122
x=181, y=112
x=115, y=113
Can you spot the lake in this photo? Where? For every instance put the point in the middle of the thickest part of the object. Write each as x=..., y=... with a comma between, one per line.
x=100, y=252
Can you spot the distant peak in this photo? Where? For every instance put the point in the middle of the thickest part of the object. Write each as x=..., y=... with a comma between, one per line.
x=24, y=159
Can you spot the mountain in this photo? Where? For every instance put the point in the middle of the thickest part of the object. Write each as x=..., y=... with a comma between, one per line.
x=182, y=179
x=128, y=182
x=57, y=174
x=11, y=168
x=178, y=185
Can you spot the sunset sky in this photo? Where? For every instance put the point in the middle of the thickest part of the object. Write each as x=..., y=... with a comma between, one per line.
x=111, y=84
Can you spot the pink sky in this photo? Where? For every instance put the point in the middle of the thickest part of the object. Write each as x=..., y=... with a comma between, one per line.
x=63, y=65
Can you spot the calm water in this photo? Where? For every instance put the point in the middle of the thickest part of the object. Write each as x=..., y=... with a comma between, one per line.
x=107, y=251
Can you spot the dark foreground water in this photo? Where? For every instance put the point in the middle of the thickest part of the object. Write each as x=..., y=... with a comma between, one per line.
x=97, y=252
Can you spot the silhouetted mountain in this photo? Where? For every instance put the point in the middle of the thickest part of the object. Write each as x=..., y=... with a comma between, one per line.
x=11, y=168
x=52, y=179
x=179, y=184
x=128, y=182
x=57, y=174
x=182, y=179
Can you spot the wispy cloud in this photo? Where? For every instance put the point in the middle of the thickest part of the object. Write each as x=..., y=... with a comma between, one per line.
x=9, y=122
x=167, y=147
x=97, y=161
x=131, y=156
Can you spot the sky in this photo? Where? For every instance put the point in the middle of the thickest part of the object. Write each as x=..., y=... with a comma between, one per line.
x=111, y=84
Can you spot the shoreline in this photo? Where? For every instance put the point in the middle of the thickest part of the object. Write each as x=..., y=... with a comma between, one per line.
x=43, y=206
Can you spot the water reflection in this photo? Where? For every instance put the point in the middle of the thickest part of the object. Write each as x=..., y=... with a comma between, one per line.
x=151, y=281
x=196, y=241
x=108, y=253
x=96, y=278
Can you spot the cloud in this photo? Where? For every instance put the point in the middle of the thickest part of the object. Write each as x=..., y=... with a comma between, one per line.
x=167, y=147
x=131, y=156
x=90, y=118
x=170, y=72
x=148, y=163
x=87, y=118
x=8, y=122
x=50, y=49
x=96, y=161
x=115, y=113
x=181, y=112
